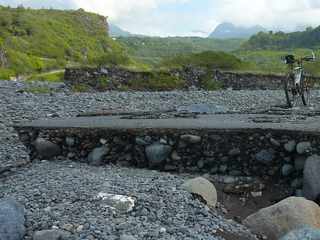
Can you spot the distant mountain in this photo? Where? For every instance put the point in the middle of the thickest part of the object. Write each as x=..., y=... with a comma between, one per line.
x=115, y=31
x=229, y=30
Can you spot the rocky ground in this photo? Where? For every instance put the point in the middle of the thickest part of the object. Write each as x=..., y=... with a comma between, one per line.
x=64, y=194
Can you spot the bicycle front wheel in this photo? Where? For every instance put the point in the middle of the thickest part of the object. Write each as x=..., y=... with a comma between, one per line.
x=289, y=90
x=305, y=90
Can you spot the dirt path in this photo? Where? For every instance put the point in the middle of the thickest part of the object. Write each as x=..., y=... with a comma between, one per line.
x=26, y=77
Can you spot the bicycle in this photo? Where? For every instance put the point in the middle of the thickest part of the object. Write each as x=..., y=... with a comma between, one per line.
x=297, y=83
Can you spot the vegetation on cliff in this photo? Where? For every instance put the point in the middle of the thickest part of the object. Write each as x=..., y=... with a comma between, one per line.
x=40, y=40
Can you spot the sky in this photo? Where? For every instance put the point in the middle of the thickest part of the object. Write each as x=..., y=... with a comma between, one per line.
x=191, y=17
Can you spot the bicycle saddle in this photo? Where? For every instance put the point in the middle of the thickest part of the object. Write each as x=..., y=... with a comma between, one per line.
x=289, y=59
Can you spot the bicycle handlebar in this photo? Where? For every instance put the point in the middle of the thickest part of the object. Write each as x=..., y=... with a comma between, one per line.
x=308, y=59
x=290, y=59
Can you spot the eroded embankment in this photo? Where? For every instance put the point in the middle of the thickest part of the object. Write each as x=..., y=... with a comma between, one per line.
x=268, y=154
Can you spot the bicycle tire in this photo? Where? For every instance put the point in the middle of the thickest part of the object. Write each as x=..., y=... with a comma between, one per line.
x=305, y=91
x=286, y=86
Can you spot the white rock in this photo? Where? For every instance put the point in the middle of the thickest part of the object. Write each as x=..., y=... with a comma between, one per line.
x=120, y=203
x=191, y=139
x=203, y=188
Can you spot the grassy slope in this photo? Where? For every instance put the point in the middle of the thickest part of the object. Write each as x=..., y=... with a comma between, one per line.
x=269, y=61
x=40, y=40
x=152, y=49
x=266, y=49
x=177, y=51
x=209, y=59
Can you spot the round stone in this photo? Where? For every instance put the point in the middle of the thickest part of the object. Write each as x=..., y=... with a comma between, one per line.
x=203, y=188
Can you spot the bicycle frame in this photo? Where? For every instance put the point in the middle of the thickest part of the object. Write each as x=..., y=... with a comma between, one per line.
x=296, y=71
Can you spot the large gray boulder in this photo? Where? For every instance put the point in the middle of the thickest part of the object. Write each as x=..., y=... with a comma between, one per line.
x=46, y=149
x=12, y=220
x=311, y=178
x=157, y=154
x=306, y=233
x=97, y=155
x=279, y=219
x=53, y=234
x=203, y=188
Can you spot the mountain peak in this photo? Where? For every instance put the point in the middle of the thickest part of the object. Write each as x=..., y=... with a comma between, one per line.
x=116, y=31
x=229, y=30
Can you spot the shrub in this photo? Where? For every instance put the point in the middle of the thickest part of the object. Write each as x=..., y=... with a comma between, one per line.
x=103, y=83
x=80, y=88
x=157, y=81
x=38, y=90
x=49, y=77
x=209, y=83
x=6, y=74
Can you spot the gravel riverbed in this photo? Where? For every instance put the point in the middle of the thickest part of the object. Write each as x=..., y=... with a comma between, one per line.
x=62, y=194
x=17, y=104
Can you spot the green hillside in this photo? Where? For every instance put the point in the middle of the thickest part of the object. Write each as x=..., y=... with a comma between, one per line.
x=310, y=38
x=209, y=59
x=41, y=40
x=269, y=61
x=152, y=49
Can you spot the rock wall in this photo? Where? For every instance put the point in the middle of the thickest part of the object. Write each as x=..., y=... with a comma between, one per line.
x=115, y=78
x=239, y=81
x=266, y=154
x=110, y=78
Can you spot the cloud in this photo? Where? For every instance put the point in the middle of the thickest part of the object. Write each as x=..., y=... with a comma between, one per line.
x=192, y=17
x=116, y=9
x=61, y=4
x=274, y=14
